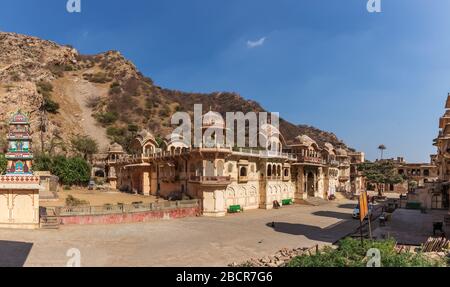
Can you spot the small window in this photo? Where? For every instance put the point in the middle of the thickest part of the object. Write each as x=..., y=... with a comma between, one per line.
x=426, y=172
x=286, y=172
x=230, y=168
x=243, y=172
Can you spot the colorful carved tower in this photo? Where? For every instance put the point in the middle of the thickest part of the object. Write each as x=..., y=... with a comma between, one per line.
x=19, y=156
x=19, y=188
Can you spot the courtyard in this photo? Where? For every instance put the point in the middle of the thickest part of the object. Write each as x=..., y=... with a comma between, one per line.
x=98, y=198
x=195, y=241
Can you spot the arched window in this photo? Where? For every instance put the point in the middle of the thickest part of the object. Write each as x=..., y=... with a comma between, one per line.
x=269, y=170
x=286, y=172
x=279, y=170
x=243, y=171
x=274, y=170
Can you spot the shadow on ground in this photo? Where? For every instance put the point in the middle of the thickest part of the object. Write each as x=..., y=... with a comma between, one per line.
x=347, y=206
x=333, y=214
x=329, y=234
x=14, y=254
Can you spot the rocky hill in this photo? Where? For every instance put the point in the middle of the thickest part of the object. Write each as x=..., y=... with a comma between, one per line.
x=103, y=96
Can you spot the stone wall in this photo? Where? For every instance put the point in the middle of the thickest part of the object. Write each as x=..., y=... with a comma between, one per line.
x=131, y=217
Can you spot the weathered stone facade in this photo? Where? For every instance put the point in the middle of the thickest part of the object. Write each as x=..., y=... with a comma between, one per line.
x=221, y=176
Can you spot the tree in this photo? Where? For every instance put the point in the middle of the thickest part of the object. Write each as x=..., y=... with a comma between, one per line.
x=380, y=173
x=42, y=162
x=71, y=171
x=3, y=164
x=382, y=148
x=85, y=146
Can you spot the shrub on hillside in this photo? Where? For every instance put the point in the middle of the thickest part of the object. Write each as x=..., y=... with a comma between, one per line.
x=107, y=118
x=50, y=106
x=99, y=78
x=93, y=102
x=45, y=89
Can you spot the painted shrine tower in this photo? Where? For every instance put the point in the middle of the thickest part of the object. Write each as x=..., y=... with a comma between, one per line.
x=19, y=154
x=19, y=188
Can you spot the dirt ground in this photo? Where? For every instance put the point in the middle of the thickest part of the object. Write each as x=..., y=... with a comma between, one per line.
x=98, y=198
x=194, y=241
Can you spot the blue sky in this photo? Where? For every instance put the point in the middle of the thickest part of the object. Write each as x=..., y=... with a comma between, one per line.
x=369, y=78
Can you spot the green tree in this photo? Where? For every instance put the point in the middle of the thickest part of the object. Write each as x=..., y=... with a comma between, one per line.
x=42, y=162
x=85, y=146
x=3, y=164
x=380, y=172
x=71, y=171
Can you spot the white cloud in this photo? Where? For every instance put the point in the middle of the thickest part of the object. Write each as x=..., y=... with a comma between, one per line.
x=254, y=44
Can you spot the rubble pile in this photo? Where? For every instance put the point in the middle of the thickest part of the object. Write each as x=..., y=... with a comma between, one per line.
x=280, y=259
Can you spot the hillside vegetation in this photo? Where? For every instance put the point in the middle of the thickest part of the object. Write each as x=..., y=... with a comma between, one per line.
x=103, y=96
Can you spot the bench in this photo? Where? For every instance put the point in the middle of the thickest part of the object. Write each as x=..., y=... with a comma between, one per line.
x=413, y=205
x=234, y=209
x=287, y=201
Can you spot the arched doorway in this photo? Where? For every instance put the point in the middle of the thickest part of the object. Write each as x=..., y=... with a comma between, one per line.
x=100, y=173
x=220, y=167
x=310, y=185
x=209, y=168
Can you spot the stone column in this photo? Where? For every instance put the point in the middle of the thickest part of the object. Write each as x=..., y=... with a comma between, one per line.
x=146, y=183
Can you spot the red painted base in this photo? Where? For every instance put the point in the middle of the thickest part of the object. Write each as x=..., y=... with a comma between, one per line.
x=130, y=217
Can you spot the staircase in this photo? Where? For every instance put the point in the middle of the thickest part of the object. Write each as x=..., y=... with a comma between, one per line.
x=316, y=201
x=49, y=219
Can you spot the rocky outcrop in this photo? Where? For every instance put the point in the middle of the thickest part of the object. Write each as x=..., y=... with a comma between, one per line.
x=96, y=93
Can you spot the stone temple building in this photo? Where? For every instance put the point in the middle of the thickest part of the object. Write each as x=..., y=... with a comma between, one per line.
x=19, y=188
x=435, y=195
x=223, y=177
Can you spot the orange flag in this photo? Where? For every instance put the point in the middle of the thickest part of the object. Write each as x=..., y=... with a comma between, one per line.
x=363, y=206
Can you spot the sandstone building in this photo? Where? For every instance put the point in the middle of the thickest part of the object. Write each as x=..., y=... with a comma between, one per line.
x=223, y=177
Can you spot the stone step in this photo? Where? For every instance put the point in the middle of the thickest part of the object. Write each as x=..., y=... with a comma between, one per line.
x=49, y=222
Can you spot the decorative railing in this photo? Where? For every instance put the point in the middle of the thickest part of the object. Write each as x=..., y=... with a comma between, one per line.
x=123, y=209
x=264, y=153
x=310, y=159
x=210, y=179
x=19, y=179
x=333, y=163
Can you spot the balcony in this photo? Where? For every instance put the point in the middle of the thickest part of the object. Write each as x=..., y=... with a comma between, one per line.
x=263, y=153
x=333, y=163
x=210, y=180
x=311, y=160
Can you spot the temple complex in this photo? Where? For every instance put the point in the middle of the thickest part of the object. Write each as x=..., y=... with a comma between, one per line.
x=224, y=177
x=19, y=188
x=435, y=195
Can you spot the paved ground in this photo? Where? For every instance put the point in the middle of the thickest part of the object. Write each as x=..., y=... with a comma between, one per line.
x=98, y=198
x=410, y=227
x=185, y=242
